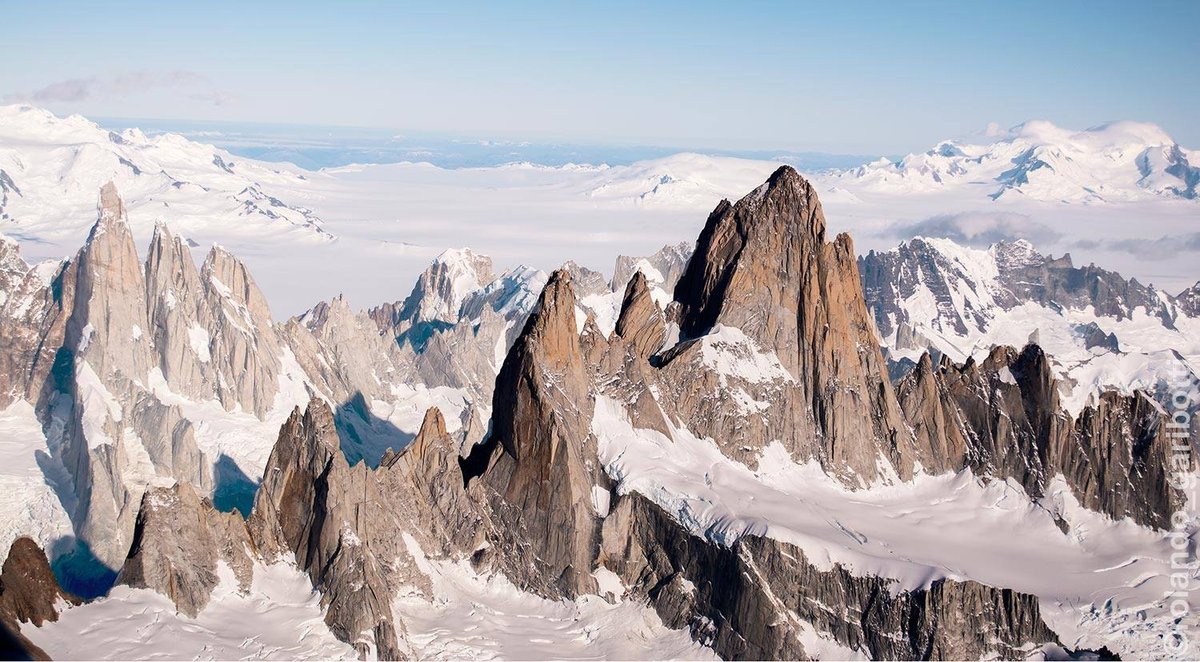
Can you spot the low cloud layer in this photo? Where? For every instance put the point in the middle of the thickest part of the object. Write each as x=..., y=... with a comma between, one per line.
x=1165, y=247
x=978, y=229
x=194, y=85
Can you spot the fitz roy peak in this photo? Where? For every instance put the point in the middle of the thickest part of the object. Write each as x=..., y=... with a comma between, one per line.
x=715, y=453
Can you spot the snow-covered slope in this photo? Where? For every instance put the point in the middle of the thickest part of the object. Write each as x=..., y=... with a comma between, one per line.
x=51, y=168
x=912, y=532
x=682, y=180
x=1101, y=330
x=1119, y=161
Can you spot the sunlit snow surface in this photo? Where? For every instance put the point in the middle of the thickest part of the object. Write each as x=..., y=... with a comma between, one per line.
x=471, y=616
x=391, y=220
x=1100, y=584
x=29, y=504
x=280, y=618
x=477, y=616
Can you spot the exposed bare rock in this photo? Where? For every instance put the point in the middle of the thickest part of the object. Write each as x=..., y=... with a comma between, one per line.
x=314, y=506
x=243, y=347
x=178, y=542
x=29, y=592
x=762, y=266
x=169, y=439
x=438, y=293
x=341, y=352
x=1002, y=418
x=1188, y=301
x=426, y=476
x=346, y=526
x=473, y=431
x=940, y=441
x=751, y=600
x=26, y=307
x=1120, y=457
x=586, y=281
x=1007, y=407
x=663, y=268
x=543, y=470
x=1019, y=275
x=641, y=321
x=105, y=351
x=178, y=317
x=110, y=312
x=467, y=355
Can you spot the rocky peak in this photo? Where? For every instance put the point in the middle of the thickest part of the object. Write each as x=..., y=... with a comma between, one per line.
x=12, y=267
x=109, y=317
x=112, y=208
x=641, y=321
x=332, y=518
x=542, y=470
x=550, y=331
x=440, y=290
x=762, y=266
x=244, y=347
x=29, y=592
x=586, y=281
x=177, y=543
x=26, y=300
x=177, y=314
x=663, y=268
x=1015, y=254
x=427, y=475
x=432, y=433
x=766, y=238
x=324, y=313
x=1189, y=301
x=228, y=277
x=168, y=262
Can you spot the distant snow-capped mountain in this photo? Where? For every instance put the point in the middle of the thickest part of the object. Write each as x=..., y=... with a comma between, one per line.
x=51, y=168
x=681, y=180
x=1102, y=330
x=1118, y=161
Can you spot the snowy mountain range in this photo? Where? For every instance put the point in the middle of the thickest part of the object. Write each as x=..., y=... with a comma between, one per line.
x=51, y=168
x=393, y=218
x=1102, y=330
x=760, y=444
x=1115, y=162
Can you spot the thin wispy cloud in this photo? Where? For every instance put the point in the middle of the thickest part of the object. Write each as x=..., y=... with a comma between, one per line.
x=1164, y=247
x=977, y=229
x=194, y=85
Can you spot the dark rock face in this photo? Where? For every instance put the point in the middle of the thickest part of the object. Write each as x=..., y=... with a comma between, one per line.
x=641, y=321
x=543, y=468
x=1002, y=418
x=1046, y=280
x=748, y=601
x=763, y=266
x=1119, y=458
x=533, y=501
x=669, y=262
x=313, y=505
x=346, y=526
x=1094, y=336
x=26, y=308
x=29, y=593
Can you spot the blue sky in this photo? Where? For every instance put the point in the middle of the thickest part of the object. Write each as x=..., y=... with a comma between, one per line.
x=851, y=77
